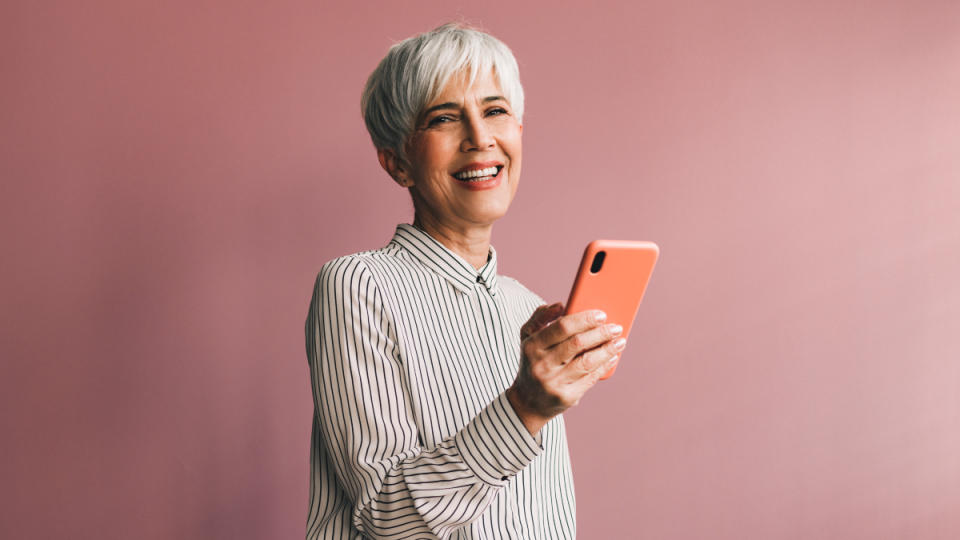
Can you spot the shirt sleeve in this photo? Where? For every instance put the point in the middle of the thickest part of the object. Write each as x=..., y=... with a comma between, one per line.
x=398, y=488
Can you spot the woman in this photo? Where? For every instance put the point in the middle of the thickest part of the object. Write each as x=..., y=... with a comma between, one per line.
x=438, y=384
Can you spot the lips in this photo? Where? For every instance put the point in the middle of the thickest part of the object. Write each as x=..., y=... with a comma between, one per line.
x=478, y=172
x=479, y=176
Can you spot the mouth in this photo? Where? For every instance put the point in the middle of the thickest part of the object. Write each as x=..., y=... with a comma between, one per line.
x=478, y=173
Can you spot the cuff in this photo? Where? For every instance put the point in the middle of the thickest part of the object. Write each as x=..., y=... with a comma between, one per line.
x=496, y=445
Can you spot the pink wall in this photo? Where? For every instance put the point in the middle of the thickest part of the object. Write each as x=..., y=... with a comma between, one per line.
x=174, y=174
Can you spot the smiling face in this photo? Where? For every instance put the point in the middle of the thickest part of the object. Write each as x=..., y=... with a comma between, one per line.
x=463, y=157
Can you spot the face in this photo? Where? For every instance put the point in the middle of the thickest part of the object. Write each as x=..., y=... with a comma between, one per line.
x=463, y=163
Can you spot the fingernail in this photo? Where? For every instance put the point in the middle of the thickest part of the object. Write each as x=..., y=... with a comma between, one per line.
x=615, y=329
x=599, y=316
x=619, y=344
x=612, y=361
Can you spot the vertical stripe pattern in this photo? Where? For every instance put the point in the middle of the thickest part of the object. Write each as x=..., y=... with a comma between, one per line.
x=410, y=351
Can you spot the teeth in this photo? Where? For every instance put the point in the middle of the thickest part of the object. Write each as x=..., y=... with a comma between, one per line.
x=476, y=173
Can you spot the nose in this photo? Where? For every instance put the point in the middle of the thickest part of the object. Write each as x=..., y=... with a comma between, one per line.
x=478, y=135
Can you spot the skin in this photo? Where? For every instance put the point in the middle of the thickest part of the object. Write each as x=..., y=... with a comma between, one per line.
x=562, y=356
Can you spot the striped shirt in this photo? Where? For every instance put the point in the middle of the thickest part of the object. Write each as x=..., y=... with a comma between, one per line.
x=411, y=350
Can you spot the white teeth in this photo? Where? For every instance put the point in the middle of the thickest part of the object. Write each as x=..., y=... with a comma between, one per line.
x=476, y=173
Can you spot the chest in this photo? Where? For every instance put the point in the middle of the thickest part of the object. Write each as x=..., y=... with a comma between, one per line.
x=458, y=354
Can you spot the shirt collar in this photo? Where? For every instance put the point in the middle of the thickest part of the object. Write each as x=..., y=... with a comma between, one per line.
x=446, y=263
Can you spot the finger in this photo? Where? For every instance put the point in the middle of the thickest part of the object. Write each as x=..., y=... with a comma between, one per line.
x=569, y=325
x=541, y=317
x=584, y=341
x=531, y=323
x=594, y=363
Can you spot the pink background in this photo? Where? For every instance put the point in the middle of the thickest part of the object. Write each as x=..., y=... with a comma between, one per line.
x=175, y=173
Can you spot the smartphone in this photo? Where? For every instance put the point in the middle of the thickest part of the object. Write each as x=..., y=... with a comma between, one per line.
x=613, y=276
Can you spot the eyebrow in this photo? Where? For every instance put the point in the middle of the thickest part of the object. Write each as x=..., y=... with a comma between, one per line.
x=452, y=105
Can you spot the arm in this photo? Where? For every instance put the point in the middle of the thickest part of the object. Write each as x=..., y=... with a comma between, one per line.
x=398, y=489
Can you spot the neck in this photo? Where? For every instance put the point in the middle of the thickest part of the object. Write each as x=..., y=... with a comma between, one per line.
x=470, y=242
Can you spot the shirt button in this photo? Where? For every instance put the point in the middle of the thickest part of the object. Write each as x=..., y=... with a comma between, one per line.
x=479, y=279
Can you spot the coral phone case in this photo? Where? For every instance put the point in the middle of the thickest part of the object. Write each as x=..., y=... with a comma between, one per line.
x=613, y=276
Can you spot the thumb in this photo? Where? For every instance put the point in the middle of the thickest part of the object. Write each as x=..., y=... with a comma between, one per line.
x=542, y=317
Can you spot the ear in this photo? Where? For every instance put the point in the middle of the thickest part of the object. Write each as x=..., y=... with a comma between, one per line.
x=394, y=166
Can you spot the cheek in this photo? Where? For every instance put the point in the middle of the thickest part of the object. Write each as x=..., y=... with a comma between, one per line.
x=430, y=151
x=516, y=158
x=438, y=144
x=516, y=148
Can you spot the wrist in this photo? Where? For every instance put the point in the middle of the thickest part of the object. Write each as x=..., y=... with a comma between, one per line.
x=531, y=419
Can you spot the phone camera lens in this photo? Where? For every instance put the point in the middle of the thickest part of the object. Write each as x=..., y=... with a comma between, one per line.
x=598, y=262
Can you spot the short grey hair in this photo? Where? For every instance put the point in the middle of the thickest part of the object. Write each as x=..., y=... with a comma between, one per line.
x=416, y=70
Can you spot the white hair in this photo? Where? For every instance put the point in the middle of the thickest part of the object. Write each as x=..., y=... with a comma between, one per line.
x=416, y=70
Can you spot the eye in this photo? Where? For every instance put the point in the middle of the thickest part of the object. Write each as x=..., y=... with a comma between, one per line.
x=496, y=111
x=441, y=119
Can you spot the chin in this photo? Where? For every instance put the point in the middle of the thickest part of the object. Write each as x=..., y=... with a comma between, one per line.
x=487, y=213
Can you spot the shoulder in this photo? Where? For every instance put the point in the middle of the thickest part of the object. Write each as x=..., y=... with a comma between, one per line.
x=376, y=268
x=344, y=271
x=345, y=264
